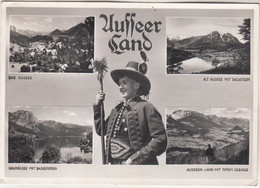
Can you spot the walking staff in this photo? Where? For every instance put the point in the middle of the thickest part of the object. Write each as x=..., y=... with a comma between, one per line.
x=100, y=66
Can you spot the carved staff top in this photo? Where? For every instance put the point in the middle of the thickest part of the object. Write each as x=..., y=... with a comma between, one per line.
x=100, y=66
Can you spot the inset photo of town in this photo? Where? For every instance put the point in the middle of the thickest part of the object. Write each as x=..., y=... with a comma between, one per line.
x=48, y=134
x=208, y=45
x=208, y=136
x=51, y=44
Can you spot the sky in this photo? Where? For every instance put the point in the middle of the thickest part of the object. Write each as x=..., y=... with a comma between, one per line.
x=77, y=115
x=188, y=27
x=44, y=23
x=220, y=112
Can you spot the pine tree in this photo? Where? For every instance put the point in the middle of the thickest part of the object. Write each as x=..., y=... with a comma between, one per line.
x=245, y=30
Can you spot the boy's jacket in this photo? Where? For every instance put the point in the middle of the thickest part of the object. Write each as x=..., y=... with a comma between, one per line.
x=146, y=130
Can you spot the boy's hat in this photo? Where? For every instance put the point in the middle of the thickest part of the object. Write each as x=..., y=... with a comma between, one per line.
x=135, y=71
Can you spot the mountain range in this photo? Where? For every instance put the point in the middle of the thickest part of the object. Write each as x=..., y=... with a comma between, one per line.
x=212, y=40
x=192, y=122
x=30, y=33
x=23, y=121
x=24, y=37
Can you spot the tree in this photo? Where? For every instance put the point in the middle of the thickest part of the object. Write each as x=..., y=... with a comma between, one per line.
x=39, y=63
x=12, y=49
x=51, y=155
x=245, y=30
x=25, y=68
x=215, y=62
x=34, y=68
x=89, y=22
x=20, y=150
x=243, y=59
x=44, y=52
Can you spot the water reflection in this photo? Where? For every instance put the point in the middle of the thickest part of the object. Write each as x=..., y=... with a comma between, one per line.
x=69, y=147
x=195, y=65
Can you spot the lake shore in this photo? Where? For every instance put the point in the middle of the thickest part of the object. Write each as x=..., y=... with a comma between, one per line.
x=230, y=61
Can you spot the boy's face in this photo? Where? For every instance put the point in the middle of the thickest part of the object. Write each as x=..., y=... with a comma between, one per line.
x=128, y=87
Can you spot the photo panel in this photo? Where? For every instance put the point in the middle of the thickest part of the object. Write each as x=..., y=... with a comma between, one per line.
x=215, y=45
x=51, y=44
x=50, y=134
x=208, y=136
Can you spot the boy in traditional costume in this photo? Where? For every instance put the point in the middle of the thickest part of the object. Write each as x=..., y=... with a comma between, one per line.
x=134, y=131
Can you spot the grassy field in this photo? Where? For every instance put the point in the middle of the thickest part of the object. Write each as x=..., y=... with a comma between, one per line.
x=187, y=150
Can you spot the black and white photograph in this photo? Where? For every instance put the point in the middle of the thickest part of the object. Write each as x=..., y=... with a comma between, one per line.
x=43, y=134
x=208, y=45
x=208, y=136
x=51, y=44
x=129, y=93
x=135, y=133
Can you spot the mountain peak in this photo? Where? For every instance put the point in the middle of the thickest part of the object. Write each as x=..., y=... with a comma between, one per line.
x=177, y=38
x=79, y=29
x=56, y=32
x=24, y=118
x=213, y=40
x=23, y=121
x=237, y=130
x=180, y=114
x=214, y=33
x=216, y=36
x=228, y=37
x=12, y=28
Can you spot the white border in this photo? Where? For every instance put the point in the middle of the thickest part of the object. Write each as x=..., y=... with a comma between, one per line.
x=104, y=181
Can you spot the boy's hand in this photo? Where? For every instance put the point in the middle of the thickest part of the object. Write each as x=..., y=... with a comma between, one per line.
x=100, y=97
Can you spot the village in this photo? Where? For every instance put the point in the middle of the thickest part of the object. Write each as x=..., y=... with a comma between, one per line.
x=41, y=57
x=71, y=51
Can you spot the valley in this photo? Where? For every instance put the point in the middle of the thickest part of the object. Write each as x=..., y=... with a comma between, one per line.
x=189, y=134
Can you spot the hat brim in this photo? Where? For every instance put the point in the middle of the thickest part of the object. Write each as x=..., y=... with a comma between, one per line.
x=145, y=84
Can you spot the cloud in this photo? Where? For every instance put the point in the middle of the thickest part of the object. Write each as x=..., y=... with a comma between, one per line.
x=28, y=18
x=230, y=112
x=20, y=107
x=30, y=25
x=216, y=111
x=47, y=20
x=88, y=122
x=70, y=113
x=241, y=110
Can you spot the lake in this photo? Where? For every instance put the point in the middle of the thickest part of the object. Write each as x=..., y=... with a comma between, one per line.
x=69, y=147
x=195, y=65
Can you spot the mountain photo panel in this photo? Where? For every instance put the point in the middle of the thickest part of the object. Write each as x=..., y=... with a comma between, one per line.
x=51, y=44
x=49, y=134
x=208, y=136
x=208, y=45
